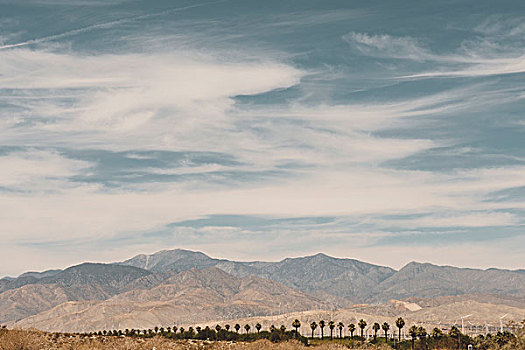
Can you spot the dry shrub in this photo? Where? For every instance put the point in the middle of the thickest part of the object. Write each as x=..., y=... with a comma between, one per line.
x=21, y=340
x=35, y=340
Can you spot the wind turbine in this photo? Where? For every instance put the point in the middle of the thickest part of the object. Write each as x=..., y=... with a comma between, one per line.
x=463, y=323
x=501, y=322
x=488, y=326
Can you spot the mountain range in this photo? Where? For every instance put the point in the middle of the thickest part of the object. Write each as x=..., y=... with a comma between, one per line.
x=184, y=286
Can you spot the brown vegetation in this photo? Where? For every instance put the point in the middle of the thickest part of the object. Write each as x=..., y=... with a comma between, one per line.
x=36, y=340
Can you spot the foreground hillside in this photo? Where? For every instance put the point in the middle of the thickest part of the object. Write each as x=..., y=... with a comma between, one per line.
x=36, y=340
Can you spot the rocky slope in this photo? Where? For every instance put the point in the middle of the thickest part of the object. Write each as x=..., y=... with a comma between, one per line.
x=318, y=274
x=153, y=288
x=188, y=297
x=348, y=281
x=430, y=281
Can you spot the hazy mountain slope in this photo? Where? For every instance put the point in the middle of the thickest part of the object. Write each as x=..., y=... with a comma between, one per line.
x=110, y=277
x=429, y=281
x=481, y=312
x=190, y=296
x=16, y=304
x=482, y=298
x=22, y=302
x=347, y=281
x=43, y=274
x=28, y=295
x=171, y=260
x=172, y=283
x=17, y=282
x=348, y=278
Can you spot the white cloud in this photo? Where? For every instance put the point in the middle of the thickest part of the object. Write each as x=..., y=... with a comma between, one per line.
x=492, y=66
x=475, y=219
x=489, y=55
x=175, y=102
x=154, y=101
x=388, y=46
x=38, y=170
x=360, y=192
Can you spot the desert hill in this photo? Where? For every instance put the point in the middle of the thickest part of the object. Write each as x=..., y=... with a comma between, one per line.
x=449, y=312
x=182, y=285
x=187, y=297
x=350, y=281
x=430, y=281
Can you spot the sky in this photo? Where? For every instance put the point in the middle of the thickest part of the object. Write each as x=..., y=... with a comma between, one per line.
x=386, y=131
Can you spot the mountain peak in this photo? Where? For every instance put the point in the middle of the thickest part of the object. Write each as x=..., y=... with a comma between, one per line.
x=171, y=260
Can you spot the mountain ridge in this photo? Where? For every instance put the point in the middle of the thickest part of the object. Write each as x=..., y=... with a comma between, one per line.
x=193, y=295
x=319, y=281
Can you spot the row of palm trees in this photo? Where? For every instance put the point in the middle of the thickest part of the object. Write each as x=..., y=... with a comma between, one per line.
x=296, y=324
x=400, y=323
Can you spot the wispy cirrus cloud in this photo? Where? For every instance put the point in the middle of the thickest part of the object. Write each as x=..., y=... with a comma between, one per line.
x=384, y=45
x=136, y=131
x=499, y=50
x=158, y=99
x=38, y=171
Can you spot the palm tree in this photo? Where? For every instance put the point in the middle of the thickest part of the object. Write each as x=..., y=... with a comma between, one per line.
x=198, y=329
x=385, y=327
x=169, y=329
x=322, y=325
x=227, y=327
x=247, y=328
x=362, y=325
x=283, y=328
x=422, y=334
x=413, y=331
x=174, y=329
x=376, y=327
x=237, y=327
x=340, y=325
x=331, y=325
x=455, y=333
x=156, y=329
x=258, y=327
x=437, y=333
x=218, y=328
x=272, y=328
x=400, y=323
x=296, y=324
x=313, y=326
x=351, y=329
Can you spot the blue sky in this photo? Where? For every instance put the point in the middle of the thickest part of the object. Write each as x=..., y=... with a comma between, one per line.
x=382, y=131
